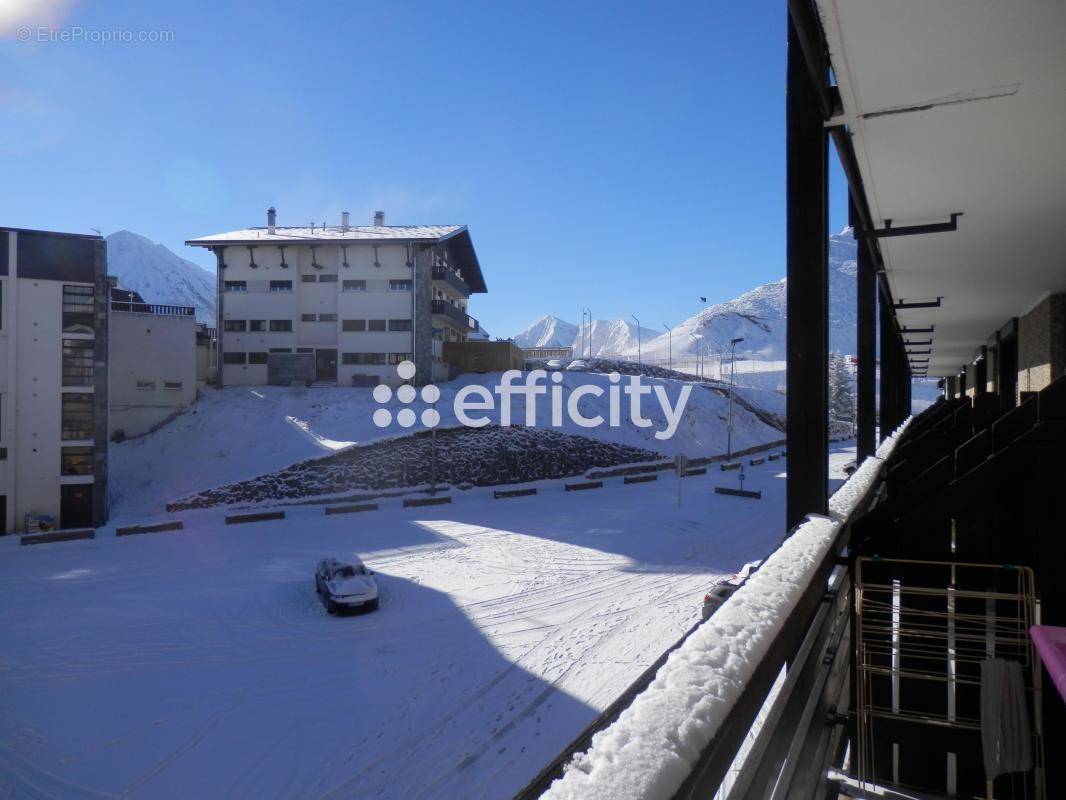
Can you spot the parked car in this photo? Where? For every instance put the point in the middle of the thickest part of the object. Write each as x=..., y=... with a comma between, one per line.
x=579, y=364
x=554, y=365
x=346, y=585
x=723, y=590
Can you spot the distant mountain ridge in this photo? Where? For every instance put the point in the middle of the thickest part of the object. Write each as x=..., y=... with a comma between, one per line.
x=757, y=315
x=159, y=275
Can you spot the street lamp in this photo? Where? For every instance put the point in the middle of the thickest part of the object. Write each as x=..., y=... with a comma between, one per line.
x=698, y=337
x=732, y=373
x=639, y=361
x=670, y=345
x=584, y=312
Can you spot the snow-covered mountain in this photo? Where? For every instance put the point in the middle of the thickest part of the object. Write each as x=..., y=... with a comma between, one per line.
x=758, y=316
x=160, y=276
x=547, y=332
x=609, y=336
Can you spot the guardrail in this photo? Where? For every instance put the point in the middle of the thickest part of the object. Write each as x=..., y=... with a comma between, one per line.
x=160, y=310
x=452, y=278
x=455, y=314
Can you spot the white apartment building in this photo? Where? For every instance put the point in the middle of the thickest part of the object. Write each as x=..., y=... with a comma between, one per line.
x=53, y=380
x=153, y=370
x=341, y=305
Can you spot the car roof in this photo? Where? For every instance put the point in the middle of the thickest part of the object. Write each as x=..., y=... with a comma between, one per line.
x=349, y=560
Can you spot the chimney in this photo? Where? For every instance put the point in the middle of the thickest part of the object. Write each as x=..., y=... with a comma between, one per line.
x=344, y=221
x=379, y=218
x=272, y=218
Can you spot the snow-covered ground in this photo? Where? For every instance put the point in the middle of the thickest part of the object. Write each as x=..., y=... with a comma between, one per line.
x=239, y=433
x=200, y=664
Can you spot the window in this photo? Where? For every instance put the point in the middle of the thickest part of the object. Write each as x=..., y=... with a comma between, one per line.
x=362, y=358
x=280, y=349
x=281, y=325
x=77, y=362
x=146, y=386
x=281, y=286
x=77, y=413
x=400, y=286
x=236, y=286
x=308, y=318
x=396, y=358
x=174, y=386
x=327, y=317
x=354, y=286
x=396, y=325
x=353, y=325
x=257, y=324
x=305, y=349
x=78, y=309
x=327, y=278
x=76, y=461
x=257, y=358
x=234, y=326
x=376, y=325
x=308, y=278
x=234, y=358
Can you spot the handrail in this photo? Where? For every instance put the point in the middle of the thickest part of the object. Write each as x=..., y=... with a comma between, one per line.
x=714, y=762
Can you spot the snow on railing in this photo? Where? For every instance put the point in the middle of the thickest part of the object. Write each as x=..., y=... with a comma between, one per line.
x=656, y=743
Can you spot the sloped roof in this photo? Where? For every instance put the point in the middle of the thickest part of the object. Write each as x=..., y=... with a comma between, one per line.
x=457, y=236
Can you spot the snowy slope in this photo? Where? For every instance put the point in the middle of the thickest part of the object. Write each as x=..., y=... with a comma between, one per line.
x=240, y=433
x=199, y=663
x=159, y=275
x=758, y=316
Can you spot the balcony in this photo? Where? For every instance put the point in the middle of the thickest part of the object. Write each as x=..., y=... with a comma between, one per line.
x=153, y=308
x=456, y=316
x=451, y=278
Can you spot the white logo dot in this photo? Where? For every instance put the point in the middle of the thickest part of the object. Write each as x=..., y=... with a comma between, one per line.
x=406, y=418
x=406, y=393
x=382, y=418
x=382, y=393
x=430, y=393
x=406, y=370
x=430, y=418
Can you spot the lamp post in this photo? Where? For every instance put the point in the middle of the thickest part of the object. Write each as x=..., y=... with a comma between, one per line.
x=732, y=373
x=584, y=313
x=669, y=345
x=639, y=361
x=697, y=337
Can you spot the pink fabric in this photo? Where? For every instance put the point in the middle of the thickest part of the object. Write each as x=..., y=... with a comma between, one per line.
x=1050, y=642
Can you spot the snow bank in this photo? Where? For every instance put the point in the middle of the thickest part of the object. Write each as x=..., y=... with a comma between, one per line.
x=654, y=745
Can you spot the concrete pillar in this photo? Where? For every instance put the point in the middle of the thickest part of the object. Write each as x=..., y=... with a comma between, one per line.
x=1042, y=344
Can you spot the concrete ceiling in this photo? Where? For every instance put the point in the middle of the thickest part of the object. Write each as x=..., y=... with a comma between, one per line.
x=960, y=106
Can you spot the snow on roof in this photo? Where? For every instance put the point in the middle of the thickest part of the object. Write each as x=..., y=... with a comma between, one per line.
x=367, y=233
x=656, y=742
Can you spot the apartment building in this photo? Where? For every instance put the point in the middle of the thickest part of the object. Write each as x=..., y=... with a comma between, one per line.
x=53, y=380
x=154, y=354
x=341, y=305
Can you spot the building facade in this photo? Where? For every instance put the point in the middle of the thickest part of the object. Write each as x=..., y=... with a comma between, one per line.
x=341, y=305
x=53, y=380
x=153, y=370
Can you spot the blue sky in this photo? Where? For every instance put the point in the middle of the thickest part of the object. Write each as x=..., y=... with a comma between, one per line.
x=624, y=156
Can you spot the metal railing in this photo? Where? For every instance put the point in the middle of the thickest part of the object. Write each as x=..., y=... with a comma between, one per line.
x=153, y=308
x=452, y=279
x=455, y=314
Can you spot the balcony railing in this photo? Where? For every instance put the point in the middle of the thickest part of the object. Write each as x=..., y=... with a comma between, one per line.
x=153, y=308
x=452, y=279
x=456, y=315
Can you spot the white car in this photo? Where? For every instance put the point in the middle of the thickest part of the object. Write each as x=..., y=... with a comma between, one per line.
x=554, y=365
x=346, y=585
x=723, y=590
x=580, y=364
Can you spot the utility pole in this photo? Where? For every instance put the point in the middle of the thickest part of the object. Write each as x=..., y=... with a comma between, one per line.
x=732, y=373
x=669, y=345
x=639, y=360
